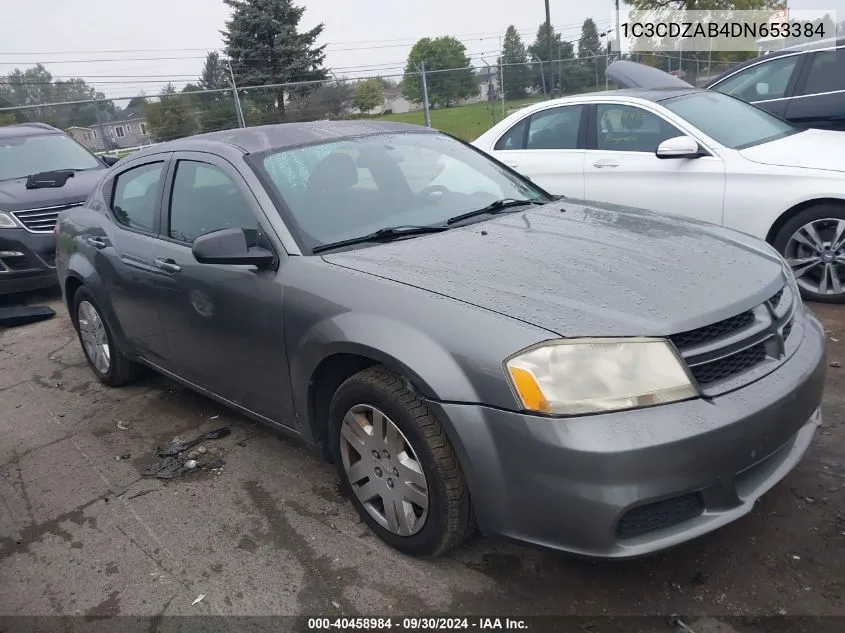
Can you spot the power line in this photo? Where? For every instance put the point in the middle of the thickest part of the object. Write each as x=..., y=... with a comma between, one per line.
x=477, y=35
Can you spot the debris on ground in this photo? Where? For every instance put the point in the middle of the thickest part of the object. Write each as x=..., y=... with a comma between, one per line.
x=198, y=599
x=178, y=458
x=122, y=457
x=835, y=363
x=23, y=315
x=676, y=622
x=122, y=426
x=181, y=447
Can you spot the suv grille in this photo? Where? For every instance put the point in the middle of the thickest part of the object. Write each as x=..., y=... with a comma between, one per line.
x=42, y=220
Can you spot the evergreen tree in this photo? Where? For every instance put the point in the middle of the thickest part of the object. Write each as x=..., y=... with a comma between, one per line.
x=265, y=47
x=515, y=69
x=539, y=50
x=591, y=54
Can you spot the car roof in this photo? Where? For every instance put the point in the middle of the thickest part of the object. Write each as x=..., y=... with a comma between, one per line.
x=27, y=129
x=284, y=135
x=807, y=47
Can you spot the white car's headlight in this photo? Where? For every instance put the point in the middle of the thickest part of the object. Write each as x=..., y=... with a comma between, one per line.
x=7, y=221
x=577, y=376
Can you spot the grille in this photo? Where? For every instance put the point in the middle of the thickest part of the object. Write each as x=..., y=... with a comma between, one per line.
x=715, y=330
x=41, y=220
x=775, y=300
x=18, y=262
x=729, y=365
x=659, y=515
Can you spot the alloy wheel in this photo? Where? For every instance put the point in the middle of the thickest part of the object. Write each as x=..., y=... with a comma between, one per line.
x=816, y=254
x=92, y=331
x=383, y=470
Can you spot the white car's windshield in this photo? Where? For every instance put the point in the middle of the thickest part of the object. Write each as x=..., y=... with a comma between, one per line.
x=350, y=188
x=729, y=121
x=22, y=156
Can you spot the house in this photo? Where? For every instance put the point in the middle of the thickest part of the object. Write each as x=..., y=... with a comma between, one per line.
x=125, y=128
x=87, y=136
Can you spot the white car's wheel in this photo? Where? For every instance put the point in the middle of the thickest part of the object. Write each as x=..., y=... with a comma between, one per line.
x=813, y=244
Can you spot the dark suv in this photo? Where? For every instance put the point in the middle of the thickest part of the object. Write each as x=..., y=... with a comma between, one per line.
x=42, y=171
x=803, y=84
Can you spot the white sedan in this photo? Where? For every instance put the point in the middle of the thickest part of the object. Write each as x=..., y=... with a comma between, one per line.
x=680, y=150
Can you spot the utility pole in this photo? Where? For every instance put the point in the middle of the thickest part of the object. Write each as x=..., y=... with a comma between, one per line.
x=239, y=113
x=618, y=36
x=551, y=40
x=542, y=75
x=425, y=96
x=502, y=76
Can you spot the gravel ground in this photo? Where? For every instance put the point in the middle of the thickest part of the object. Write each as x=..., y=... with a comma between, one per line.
x=82, y=533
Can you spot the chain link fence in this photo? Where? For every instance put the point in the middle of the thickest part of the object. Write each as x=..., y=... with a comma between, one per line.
x=464, y=102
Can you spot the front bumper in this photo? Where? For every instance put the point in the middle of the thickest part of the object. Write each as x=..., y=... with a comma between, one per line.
x=625, y=484
x=27, y=261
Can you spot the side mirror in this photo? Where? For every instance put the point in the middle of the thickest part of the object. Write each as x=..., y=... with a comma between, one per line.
x=762, y=89
x=229, y=246
x=679, y=147
x=109, y=160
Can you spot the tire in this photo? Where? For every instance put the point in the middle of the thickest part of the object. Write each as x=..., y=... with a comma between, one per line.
x=119, y=370
x=448, y=518
x=816, y=280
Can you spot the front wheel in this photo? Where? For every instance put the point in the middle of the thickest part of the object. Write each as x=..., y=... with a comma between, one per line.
x=813, y=244
x=397, y=466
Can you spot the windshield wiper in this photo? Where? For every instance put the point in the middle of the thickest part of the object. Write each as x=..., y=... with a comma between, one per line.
x=386, y=234
x=493, y=207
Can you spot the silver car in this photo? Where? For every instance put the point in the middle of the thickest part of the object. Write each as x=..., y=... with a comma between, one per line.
x=467, y=349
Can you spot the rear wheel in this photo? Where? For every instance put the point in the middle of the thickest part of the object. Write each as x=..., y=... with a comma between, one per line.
x=107, y=362
x=397, y=466
x=813, y=244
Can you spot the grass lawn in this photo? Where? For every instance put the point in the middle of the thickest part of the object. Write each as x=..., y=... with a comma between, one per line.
x=467, y=122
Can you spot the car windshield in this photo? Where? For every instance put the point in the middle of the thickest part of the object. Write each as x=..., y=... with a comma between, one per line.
x=727, y=120
x=346, y=189
x=22, y=156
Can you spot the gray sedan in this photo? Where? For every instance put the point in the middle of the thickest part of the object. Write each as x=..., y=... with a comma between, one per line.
x=468, y=350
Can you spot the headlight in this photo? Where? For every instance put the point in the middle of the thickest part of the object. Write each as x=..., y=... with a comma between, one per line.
x=570, y=377
x=7, y=221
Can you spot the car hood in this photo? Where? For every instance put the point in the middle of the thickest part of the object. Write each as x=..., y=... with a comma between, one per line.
x=579, y=269
x=811, y=149
x=14, y=196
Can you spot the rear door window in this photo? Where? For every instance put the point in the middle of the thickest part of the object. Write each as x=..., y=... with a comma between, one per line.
x=556, y=128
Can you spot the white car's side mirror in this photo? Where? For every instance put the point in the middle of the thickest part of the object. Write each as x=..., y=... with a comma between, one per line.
x=679, y=147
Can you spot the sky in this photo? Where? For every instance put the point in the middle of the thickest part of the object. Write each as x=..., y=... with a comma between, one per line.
x=124, y=48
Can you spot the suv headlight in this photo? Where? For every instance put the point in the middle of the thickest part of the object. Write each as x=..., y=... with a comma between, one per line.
x=7, y=221
x=577, y=376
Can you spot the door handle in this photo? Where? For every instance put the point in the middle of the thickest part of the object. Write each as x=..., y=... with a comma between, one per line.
x=167, y=265
x=96, y=242
x=605, y=162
